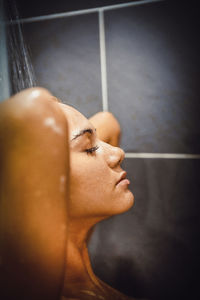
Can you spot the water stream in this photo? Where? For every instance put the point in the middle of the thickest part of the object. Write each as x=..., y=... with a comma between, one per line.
x=20, y=66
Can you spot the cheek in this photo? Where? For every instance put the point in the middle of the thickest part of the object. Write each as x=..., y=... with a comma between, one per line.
x=89, y=175
x=90, y=183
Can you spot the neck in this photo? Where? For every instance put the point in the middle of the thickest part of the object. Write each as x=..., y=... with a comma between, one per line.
x=80, y=280
x=80, y=231
x=79, y=273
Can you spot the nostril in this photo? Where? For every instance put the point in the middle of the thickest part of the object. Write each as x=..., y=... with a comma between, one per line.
x=121, y=155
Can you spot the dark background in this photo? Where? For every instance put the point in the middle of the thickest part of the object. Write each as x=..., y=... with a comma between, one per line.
x=153, y=73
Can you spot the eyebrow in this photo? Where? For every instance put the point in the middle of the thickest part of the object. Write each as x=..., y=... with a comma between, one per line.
x=82, y=132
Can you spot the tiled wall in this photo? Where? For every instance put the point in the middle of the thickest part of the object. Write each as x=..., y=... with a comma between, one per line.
x=152, y=54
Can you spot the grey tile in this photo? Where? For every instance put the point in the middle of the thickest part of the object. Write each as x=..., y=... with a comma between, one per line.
x=152, y=250
x=153, y=76
x=65, y=56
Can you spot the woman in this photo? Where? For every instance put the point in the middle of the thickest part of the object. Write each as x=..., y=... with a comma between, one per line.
x=35, y=160
x=98, y=190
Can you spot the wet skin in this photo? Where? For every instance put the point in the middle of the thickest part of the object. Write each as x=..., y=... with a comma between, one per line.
x=33, y=196
x=34, y=181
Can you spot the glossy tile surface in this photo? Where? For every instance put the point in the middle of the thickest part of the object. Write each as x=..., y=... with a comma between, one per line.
x=153, y=76
x=65, y=56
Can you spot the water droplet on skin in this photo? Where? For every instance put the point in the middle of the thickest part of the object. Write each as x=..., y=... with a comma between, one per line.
x=50, y=122
x=62, y=183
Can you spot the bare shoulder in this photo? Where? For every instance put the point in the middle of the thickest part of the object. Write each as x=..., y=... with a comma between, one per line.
x=105, y=117
x=107, y=126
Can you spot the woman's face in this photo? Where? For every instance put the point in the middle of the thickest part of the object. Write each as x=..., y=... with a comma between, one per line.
x=97, y=184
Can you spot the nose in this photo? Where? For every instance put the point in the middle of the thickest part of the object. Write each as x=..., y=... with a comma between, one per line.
x=114, y=156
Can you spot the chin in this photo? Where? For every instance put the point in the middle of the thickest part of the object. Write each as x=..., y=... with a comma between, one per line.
x=125, y=202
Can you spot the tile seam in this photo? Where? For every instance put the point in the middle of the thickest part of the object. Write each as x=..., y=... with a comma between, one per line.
x=84, y=11
x=162, y=155
x=103, y=61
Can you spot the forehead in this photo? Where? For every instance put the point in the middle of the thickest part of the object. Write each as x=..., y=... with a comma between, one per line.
x=76, y=121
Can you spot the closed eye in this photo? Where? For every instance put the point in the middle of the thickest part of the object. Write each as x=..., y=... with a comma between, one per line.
x=91, y=150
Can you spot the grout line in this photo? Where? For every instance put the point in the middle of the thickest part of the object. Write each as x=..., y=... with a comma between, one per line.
x=163, y=155
x=124, y=5
x=103, y=61
x=83, y=11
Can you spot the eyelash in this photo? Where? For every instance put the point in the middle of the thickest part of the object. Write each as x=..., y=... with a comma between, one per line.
x=91, y=150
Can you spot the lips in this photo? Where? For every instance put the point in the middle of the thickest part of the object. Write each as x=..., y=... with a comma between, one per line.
x=123, y=179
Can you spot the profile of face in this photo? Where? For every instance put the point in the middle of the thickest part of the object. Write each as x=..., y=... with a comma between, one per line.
x=98, y=185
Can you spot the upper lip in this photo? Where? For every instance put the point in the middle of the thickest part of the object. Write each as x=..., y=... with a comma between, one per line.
x=122, y=176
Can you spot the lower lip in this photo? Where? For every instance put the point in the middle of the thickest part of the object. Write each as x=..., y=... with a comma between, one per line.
x=123, y=182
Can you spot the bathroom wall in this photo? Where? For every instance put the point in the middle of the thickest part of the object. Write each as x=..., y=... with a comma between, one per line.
x=4, y=77
x=152, y=60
